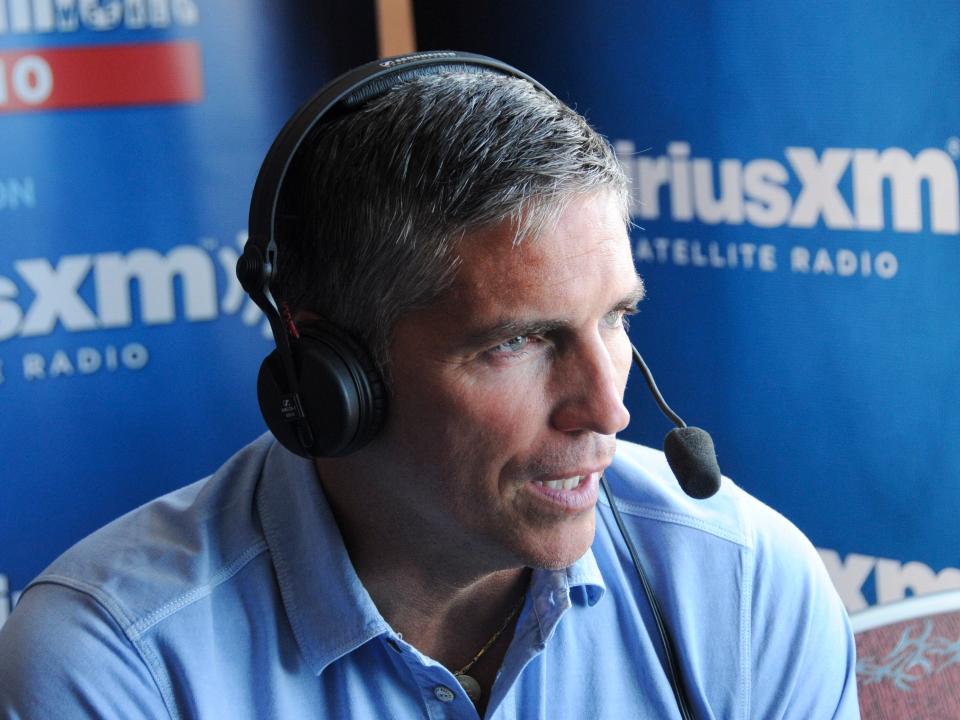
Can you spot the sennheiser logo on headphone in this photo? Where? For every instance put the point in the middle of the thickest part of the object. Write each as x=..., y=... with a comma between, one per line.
x=420, y=56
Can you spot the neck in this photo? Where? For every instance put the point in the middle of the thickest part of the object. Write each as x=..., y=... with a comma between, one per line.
x=445, y=599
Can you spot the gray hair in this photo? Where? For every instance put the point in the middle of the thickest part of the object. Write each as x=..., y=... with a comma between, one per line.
x=377, y=201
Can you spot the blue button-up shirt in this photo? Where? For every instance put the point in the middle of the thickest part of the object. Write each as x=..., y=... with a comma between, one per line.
x=235, y=598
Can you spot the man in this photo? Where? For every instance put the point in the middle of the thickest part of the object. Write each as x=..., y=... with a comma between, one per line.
x=470, y=231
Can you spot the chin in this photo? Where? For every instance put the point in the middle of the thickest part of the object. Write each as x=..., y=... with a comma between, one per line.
x=562, y=546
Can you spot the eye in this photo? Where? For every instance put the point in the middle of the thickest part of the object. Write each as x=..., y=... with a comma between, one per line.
x=614, y=319
x=513, y=345
x=618, y=318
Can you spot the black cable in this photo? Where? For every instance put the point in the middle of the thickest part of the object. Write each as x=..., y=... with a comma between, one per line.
x=673, y=670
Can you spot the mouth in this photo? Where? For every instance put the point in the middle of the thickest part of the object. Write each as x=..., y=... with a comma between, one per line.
x=565, y=484
x=568, y=494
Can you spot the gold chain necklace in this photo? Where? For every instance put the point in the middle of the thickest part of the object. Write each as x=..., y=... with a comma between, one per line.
x=468, y=682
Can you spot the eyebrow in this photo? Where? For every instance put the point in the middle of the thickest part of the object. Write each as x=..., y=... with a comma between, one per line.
x=509, y=328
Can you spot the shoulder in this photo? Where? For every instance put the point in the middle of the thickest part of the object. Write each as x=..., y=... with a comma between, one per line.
x=645, y=487
x=83, y=618
x=180, y=543
x=63, y=656
x=730, y=569
x=153, y=561
x=778, y=554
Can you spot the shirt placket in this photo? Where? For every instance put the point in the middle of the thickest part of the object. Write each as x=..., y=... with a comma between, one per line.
x=440, y=693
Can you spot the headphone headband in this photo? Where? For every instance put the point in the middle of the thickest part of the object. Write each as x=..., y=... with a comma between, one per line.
x=346, y=94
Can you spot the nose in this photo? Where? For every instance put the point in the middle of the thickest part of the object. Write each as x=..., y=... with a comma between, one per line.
x=590, y=385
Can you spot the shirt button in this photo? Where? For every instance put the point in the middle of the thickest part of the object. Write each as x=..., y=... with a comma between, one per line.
x=444, y=694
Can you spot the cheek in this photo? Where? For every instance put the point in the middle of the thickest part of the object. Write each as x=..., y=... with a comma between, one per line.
x=484, y=422
x=507, y=411
x=622, y=353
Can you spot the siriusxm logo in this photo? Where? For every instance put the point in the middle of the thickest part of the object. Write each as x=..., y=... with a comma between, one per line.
x=57, y=290
x=44, y=16
x=887, y=580
x=735, y=192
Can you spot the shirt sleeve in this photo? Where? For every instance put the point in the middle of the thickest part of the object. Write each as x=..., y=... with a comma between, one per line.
x=63, y=656
x=804, y=654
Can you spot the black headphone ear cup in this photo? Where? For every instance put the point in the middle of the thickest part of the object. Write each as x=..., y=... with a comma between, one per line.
x=342, y=392
x=271, y=388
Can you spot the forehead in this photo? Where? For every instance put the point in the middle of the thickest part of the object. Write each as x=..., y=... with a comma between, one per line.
x=584, y=252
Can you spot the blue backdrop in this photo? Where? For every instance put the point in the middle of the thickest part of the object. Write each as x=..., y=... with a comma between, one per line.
x=796, y=201
x=128, y=353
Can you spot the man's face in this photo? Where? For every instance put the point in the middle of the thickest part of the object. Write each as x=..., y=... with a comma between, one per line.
x=508, y=391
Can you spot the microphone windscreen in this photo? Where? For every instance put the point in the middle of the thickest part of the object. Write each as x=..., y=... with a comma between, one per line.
x=693, y=459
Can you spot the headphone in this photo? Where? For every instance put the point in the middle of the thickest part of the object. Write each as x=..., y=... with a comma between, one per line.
x=320, y=392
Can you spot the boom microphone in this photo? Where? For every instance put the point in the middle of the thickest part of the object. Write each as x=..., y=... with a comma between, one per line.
x=689, y=450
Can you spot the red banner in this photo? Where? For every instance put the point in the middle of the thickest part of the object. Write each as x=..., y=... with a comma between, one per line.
x=100, y=76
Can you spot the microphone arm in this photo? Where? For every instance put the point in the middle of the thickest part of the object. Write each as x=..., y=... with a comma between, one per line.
x=651, y=383
x=689, y=450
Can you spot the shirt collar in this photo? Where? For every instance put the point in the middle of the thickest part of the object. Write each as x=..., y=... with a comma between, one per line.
x=585, y=574
x=329, y=609
x=553, y=592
